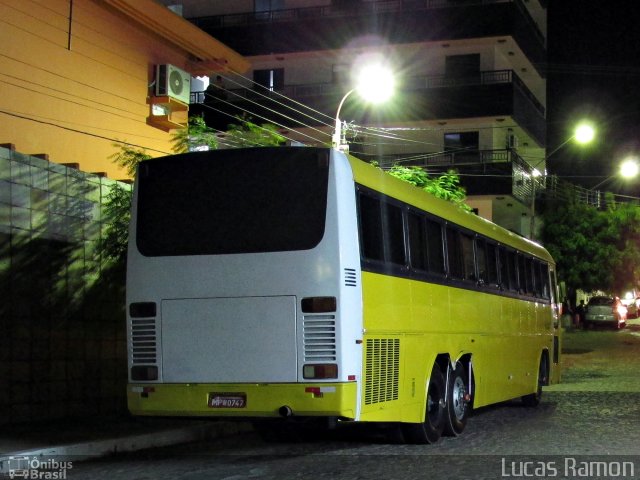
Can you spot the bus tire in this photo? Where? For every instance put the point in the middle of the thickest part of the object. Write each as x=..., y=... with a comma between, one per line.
x=533, y=399
x=431, y=429
x=458, y=402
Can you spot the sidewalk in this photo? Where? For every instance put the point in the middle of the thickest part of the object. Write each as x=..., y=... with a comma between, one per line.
x=82, y=439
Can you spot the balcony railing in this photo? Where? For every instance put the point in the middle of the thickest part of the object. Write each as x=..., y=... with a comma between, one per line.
x=451, y=159
x=362, y=8
x=416, y=83
x=489, y=94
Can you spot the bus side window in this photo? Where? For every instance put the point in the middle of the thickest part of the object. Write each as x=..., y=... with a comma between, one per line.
x=417, y=241
x=371, y=228
x=467, y=257
x=394, y=235
x=492, y=264
x=522, y=276
x=531, y=276
x=513, y=270
x=481, y=255
x=544, y=277
x=525, y=275
x=435, y=247
x=454, y=254
x=504, y=268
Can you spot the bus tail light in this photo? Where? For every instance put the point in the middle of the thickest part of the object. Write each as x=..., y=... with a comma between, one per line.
x=317, y=371
x=319, y=304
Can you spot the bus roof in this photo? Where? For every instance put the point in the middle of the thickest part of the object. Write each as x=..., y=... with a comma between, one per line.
x=375, y=178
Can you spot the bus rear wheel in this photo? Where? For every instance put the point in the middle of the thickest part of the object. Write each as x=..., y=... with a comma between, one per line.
x=533, y=399
x=458, y=402
x=431, y=429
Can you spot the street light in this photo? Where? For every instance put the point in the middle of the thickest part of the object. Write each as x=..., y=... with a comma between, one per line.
x=629, y=168
x=583, y=134
x=375, y=84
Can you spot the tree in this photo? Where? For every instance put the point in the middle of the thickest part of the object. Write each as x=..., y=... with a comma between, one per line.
x=446, y=186
x=249, y=134
x=128, y=157
x=196, y=134
x=625, y=220
x=593, y=249
x=117, y=206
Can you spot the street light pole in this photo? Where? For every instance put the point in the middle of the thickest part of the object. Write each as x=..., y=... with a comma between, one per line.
x=375, y=84
x=336, y=141
x=583, y=134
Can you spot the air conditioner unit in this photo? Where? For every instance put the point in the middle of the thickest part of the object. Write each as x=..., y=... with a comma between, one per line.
x=173, y=82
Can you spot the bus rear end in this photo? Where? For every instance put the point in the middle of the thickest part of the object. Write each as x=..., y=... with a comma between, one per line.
x=243, y=279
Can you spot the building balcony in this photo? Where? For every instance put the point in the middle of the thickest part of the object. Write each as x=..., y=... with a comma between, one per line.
x=482, y=172
x=497, y=93
x=398, y=21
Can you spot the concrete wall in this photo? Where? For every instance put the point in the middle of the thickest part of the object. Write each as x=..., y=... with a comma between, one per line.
x=62, y=323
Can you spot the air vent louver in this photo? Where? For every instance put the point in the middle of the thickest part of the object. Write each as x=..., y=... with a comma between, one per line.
x=382, y=370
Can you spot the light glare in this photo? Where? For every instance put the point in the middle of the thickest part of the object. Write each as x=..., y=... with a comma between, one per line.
x=629, y=168
x=584, y=133
x=375, y=83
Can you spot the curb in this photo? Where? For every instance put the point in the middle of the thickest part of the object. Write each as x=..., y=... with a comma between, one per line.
x=93, y=449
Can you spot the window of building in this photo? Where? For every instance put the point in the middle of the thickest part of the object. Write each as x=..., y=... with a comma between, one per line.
x=462, y=66
x=268, y=5
x=461, y=141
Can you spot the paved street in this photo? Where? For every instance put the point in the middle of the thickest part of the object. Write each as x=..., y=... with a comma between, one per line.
x=584, y=427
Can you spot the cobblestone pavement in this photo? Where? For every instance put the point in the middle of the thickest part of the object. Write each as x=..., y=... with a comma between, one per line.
x=586, y=427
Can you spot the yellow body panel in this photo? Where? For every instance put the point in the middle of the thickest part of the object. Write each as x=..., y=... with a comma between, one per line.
x=263, y=400
x=504, y=336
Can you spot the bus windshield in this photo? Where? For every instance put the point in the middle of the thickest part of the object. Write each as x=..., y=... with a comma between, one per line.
x=232, y=201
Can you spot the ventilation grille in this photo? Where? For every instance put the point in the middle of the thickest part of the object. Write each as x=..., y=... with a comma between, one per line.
x=319, y=338
x=382, y=368
x=350, y=277
x=143, y=341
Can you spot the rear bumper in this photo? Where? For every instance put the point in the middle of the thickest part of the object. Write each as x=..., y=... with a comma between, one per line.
x=608, y=319
x=262, y=400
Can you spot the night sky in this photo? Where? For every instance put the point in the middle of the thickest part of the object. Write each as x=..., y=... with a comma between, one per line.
x=594, y=73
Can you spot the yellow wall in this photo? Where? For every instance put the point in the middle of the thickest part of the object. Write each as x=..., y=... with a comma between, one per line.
x=74, y=103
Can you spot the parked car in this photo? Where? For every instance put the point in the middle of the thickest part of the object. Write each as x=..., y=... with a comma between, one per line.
x=605, y=310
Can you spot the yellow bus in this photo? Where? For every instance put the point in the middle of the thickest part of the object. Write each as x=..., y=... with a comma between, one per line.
x=298, y=283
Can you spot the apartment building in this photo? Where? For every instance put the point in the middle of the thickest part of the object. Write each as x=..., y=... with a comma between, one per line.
x=471, y=85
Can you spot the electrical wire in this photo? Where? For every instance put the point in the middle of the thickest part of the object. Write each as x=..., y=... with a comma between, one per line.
x=282, y=96
x=252, y=114
x=82, y=132
x=267, y=108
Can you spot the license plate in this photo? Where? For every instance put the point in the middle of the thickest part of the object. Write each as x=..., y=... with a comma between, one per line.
x=227, y=400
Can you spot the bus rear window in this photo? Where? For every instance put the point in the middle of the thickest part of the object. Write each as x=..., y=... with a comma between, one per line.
x=232, y=201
